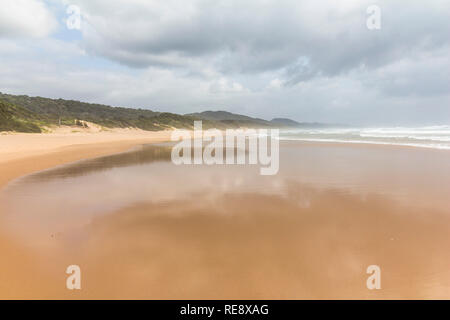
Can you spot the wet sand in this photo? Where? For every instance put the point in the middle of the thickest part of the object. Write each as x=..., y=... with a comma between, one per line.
x=22, y=154
x=140, y=227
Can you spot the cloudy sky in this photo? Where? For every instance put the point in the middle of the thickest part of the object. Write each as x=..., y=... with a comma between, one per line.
x=304, y=59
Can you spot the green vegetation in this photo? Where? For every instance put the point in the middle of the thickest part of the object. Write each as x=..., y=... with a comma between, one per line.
x=229, y=119
x=14, y=118
x=27, y=114
x=30, y=114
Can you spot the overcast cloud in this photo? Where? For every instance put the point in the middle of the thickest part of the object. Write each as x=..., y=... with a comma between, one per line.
x=307, y=60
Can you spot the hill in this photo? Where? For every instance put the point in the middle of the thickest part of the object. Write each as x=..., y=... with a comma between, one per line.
x=231, y=119
x=14, y=118
x=285, y=122
x=30, y=114
x=68, y=112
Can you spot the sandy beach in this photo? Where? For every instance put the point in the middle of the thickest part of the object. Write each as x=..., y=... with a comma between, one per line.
x=309, y=232
x=22, y=154
x=245, y=151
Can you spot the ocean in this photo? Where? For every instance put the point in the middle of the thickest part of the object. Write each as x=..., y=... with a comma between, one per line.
x=437, y=137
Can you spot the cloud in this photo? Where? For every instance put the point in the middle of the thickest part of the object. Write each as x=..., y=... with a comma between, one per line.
x=420, y=75
x=224, y=85
x=26, y=18
x=306, y=60
x=275, y=84
x=300, y=37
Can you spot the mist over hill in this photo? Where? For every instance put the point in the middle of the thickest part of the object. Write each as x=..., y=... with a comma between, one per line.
x=231, y=119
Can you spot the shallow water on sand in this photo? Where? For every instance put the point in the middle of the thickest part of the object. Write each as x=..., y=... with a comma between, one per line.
x=142, y=227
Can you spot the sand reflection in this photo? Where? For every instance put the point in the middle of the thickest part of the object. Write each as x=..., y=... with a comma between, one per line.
x=140, y=227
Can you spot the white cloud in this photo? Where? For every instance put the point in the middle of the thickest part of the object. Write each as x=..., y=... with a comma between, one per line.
x=275, y=84
x=28, y=18
x=224, y=85
x=254, y=36
x=290, y=58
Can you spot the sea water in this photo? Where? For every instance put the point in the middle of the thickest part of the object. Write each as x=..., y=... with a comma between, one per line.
x=437, y=137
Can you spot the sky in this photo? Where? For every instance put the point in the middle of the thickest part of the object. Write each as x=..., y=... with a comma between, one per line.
x=308, y=60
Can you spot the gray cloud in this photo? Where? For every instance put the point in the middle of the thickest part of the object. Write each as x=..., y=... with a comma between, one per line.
x=306, y=60
x=250, y=37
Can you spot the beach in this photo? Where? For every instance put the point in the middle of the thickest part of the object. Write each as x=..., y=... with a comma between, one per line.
x=140, y=227
x=22, y=154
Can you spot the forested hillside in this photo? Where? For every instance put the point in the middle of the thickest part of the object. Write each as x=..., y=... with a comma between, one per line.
x=30, y=114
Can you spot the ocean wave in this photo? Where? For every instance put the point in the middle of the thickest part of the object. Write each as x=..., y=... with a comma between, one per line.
x=436, y=137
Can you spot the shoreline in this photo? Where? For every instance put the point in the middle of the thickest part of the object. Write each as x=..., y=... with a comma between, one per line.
x=25, y=153
x=371, y=143
x=31, y=270
x=50, y=150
